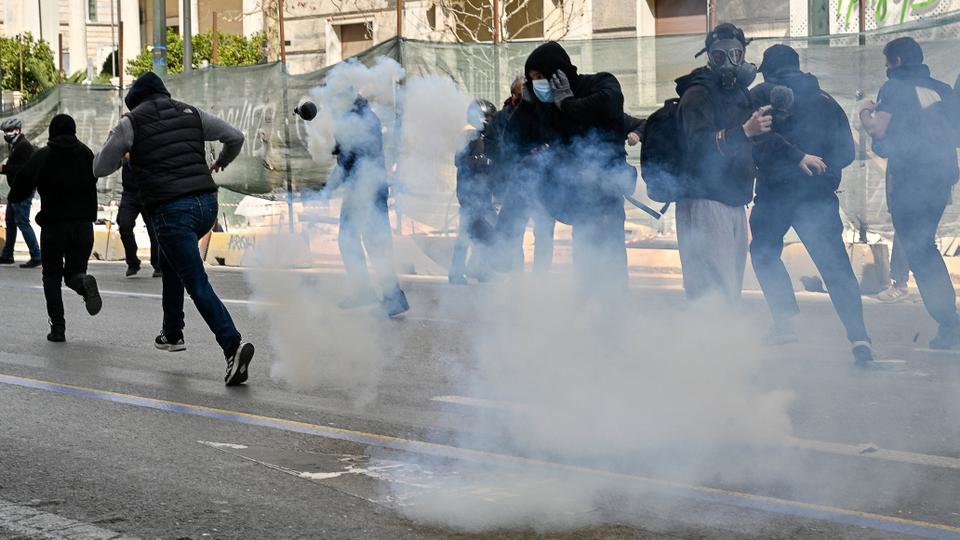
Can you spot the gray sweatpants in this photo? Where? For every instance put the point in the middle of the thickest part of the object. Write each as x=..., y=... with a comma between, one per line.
x=713, y=248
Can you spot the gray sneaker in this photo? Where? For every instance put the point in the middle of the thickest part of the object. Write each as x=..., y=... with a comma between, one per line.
x=893, y=294
x=782, y=333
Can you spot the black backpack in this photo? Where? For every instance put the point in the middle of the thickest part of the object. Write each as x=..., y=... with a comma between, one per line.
x=662, y=163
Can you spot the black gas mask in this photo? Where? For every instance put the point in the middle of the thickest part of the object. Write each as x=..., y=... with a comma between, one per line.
x=10, y=136
x=726, y=57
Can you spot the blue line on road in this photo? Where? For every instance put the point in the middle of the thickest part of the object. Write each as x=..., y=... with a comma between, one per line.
x=713, y=495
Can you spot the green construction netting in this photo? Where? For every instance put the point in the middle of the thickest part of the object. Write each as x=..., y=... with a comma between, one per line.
x=259, y=100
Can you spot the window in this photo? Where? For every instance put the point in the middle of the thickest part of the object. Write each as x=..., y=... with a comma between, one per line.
x=92, y=10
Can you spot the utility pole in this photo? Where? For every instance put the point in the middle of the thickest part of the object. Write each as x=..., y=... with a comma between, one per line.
x=496, y=22
x=215, y=42
x=160, y=37
x=60, y=55
x=20, y=40
x=187, y=38
x=40, y=16
x=114, y=16
x=283, y=37
x=400, y=19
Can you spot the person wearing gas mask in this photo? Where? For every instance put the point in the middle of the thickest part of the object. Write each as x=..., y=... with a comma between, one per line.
x=717, y=122
x=799, y=167
x=516, y=184
x=18, y=215
x=910, y=125
x=584, y=174
x=475, y=190
x=364, y=218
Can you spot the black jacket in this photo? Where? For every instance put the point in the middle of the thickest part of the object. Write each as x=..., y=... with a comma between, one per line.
x=20, y=153
x=720, y=167
x=62, y=173
x=168, y=151
x=584, y=163
x=815, y=124
x=919, y=147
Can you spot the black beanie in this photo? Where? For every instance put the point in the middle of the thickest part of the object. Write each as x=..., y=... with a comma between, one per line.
x=548, y=58
x=62, y=124
x=779, y=58
x=148, y=84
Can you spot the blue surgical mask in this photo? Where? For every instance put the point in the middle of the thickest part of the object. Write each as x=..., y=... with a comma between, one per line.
x=541, y=87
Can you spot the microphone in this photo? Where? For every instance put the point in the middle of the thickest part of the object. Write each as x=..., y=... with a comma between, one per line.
x=306, y=110
x=781, y=98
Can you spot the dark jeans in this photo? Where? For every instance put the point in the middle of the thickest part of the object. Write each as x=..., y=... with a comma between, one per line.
x=126, y=221
x=818, y=224
x=66, y=248
x=474, y=230
x=179, y=225
x=18, y=217
x=916, y=217
x=365, y=223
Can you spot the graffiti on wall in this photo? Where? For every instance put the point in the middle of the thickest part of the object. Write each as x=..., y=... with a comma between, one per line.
x=886, y=11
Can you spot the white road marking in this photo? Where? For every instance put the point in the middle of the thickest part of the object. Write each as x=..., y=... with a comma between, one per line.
x=223, y=445
x=29, y=522
x=841, y=449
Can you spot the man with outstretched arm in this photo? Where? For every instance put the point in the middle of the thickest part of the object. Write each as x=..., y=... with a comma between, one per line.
x=165, y=139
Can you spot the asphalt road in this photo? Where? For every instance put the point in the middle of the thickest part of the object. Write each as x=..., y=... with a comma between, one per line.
x=105, y=437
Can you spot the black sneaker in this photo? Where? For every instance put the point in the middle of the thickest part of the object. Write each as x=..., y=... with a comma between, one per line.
x=132, y=271
x=57, y=333
x=946, y=338
x=91, y=298
x=395, y=303
x=157, y=273
x=862, y=353
x=457, y=279
x=164, y=343
x=32, y=263
x=238, y=364
x=7, y=260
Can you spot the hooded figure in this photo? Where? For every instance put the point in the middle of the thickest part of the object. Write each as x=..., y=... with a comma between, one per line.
x=800, y=165
x=18, y=215
x=578, y=125
x=62, y=173
x=910, y=126
x=166, y=141
x=717, y=121
x=364, y=217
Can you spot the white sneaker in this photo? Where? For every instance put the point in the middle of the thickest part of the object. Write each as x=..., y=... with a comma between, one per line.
x=893, y=293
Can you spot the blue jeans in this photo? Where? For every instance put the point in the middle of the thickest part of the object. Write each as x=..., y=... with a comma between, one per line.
x=179, y=225
x=18, y=217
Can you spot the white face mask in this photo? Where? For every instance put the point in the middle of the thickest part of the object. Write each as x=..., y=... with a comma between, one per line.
x=541, y=87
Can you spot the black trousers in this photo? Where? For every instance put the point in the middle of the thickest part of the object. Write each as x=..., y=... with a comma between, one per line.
x=817, y=222
x=916, y=216
x=65, y=249
x=126, y=220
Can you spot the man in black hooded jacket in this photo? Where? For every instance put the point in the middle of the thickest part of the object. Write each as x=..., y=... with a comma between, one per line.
x=717, y=122
x=911, y=127
x=579, y=125
x=799, y=170
x=166, y=141
x=62, y=173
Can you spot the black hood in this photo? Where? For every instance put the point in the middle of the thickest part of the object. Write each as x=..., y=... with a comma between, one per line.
x=802, y=84
x=548, y=58
x=909, y=72
x=146, y=86
x=63, y=132
x=702, y=75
